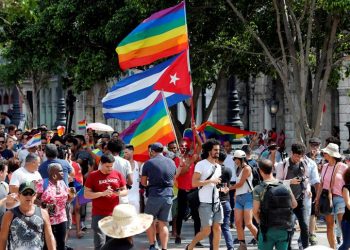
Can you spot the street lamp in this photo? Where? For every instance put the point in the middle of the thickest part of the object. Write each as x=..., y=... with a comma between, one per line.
x=273, y=108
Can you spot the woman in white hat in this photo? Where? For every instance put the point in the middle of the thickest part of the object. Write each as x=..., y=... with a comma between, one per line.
x=122, y=225
x=332, y=180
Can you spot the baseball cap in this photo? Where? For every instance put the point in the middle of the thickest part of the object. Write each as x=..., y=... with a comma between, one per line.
x=29, y=185
x=315, y=140
x=106, y=135
x=157, y=146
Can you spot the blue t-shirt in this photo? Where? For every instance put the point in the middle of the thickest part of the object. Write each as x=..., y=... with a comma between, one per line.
x=7, y=154
x=65, y=167
x=160, y=171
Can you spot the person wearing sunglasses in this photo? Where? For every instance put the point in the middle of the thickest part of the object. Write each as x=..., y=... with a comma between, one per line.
x=4, y=152
x=29, y=224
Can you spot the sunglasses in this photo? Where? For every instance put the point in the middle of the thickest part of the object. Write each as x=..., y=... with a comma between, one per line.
x=28, y=193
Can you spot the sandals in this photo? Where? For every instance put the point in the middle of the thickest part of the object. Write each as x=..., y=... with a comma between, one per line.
x=80, y=234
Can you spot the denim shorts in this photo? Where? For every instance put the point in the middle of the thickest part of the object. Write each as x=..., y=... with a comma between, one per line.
x=244, y=201
x=159, y=207
x=338, y=204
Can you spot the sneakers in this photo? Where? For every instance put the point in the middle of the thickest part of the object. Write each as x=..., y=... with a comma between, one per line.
x=199, y=244
x=313, y=239
x=177, y=240
x=253, y=242
x=83, y=226
x=242, y=246
x=153, y=248
x=338, y=240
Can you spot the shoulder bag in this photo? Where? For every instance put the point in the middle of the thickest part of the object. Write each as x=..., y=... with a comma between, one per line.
x=326, y=198
x=193, y=197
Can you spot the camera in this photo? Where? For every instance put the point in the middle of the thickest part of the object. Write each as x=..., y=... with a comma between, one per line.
x=62, y=151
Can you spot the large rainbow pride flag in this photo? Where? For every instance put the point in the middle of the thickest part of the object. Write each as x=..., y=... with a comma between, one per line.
x=153, y=126
x=218, y=131
x=161, y=35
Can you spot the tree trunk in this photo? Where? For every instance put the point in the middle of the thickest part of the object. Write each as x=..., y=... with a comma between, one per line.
x=29, y=114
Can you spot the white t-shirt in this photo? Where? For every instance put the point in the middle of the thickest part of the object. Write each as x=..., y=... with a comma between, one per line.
x=229, y=163
x=122, y=165
x=22, y=175
x=205, y=168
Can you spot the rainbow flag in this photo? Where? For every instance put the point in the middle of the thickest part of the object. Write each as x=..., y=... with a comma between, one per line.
x=97, y=152
x=161, y=35
x=82, y=125
x=153, y=126
x=220, y=132
x=34, y=141
x=61, y=130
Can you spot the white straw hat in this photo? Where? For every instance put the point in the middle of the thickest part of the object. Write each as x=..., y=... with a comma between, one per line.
x=125, y=222
x=332, y=149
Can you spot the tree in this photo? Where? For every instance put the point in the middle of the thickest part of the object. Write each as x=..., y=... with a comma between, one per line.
x=26, y=54
x=306, y=54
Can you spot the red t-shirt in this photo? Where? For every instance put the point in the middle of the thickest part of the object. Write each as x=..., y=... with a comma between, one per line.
x=99, y=182
x=77, y=171
x=185, y=181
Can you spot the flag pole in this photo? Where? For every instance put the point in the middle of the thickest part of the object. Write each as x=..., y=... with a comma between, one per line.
x=191, y=102
x=169, y=115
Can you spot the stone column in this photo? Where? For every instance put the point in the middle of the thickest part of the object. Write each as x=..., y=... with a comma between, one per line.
x=16, y=117
x=344, y=112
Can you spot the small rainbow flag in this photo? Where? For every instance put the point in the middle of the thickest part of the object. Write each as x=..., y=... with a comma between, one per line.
x=34, y=141
x=61, y=130
x=82, y=125
x=97, y=152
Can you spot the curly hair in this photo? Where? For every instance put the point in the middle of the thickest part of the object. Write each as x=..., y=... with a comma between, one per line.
x=346, y=176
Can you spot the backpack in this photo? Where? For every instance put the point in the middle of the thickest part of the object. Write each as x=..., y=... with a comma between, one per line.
x=276, y=208
x=256, y=175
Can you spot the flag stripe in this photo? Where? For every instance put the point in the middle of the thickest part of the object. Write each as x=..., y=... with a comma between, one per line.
x=151, y=41
x=164, y=12
x=162, y=44
x=155, y=28
x=149, y=59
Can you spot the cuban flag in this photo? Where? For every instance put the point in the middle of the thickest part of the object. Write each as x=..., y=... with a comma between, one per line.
x=130, y=97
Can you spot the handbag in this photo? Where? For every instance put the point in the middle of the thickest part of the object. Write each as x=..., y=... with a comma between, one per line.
x=193, y=197
x=326, y=199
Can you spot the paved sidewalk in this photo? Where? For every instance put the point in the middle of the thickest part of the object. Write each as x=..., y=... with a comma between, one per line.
x=141, y=242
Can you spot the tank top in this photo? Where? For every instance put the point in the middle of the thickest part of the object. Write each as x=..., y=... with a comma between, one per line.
x=21, y=235
x=346, y=215
x=134, y=192
x=245, y=188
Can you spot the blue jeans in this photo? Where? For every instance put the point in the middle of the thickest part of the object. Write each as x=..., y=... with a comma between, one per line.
x=225, y=226
x=345, y=227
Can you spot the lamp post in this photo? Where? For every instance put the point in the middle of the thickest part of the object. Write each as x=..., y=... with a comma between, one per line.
x=273, y=108
x=347, y=151
x=233, y=105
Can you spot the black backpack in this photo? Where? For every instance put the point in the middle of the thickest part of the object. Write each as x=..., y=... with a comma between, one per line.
x=255, y=172
x=276, y=208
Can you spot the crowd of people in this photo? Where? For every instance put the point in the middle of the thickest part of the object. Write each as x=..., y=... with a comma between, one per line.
x=261, y=186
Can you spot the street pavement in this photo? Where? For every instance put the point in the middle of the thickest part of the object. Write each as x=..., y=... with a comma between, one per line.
x=141, y=243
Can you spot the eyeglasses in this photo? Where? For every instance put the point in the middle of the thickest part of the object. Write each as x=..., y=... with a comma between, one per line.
x=28, y=193
x=2, y=142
